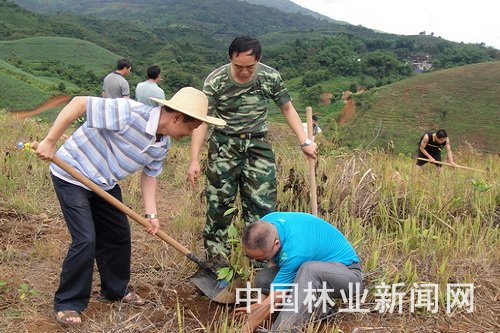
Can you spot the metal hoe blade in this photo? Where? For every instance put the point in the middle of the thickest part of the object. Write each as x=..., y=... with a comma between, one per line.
x=219, y=291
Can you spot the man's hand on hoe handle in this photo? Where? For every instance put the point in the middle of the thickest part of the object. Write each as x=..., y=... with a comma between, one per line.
x=45, y=149
x=311, y=150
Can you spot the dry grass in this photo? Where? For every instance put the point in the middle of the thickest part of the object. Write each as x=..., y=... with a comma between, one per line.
x=432, y=227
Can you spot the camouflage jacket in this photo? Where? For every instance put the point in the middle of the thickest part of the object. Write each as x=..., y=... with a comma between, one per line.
x=244, y=106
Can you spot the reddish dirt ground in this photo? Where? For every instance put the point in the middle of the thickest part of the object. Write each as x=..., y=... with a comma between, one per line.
x=349, y=110
x=51, y=103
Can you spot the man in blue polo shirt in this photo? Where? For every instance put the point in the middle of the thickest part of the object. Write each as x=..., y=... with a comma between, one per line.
x=304, y=253
x=119, y=137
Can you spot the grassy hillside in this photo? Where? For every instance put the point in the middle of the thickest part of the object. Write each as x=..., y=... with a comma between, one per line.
x=463, y=100
x=20, y=90
x=33, y=69
x=205, y=15
x=66, y=50
x=16, y=94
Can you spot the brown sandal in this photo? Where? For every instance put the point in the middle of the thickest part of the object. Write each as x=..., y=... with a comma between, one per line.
x=133, y=299
x=68, y=317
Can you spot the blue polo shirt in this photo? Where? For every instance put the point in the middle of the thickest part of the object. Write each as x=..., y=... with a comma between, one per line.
x=305, y=237
x=118, y=138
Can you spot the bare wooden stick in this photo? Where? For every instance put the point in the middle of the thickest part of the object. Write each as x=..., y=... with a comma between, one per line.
x=449, y=164
x=312, y=164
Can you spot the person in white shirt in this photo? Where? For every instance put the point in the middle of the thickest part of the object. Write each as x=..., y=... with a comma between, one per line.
x=316, y=128
x=149, y=88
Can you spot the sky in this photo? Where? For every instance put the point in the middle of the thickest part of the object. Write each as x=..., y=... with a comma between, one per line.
x=468, y=21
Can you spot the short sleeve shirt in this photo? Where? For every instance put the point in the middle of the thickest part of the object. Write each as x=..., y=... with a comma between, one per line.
x=244, y=107
x=147, y=89
x=115, y=86
x=305, y=237
x=118, y=138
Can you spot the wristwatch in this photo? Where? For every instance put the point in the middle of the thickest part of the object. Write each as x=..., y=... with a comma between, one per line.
x=151, y=216
x=306, y=143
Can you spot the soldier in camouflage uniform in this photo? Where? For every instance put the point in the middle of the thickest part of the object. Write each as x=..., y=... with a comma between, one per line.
x=239, y=155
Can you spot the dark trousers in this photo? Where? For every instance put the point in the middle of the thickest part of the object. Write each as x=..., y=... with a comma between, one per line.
x=435, y=153
x=98, y=230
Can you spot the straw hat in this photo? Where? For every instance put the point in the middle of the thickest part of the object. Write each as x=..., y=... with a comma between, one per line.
x=191, y=102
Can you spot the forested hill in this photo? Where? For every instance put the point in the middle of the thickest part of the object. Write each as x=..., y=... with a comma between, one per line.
x=221, y=17
x=191, y=37
x=290, y=7
x=188, y=39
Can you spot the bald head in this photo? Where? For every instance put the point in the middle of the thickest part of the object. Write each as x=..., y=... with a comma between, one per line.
x=259, y=235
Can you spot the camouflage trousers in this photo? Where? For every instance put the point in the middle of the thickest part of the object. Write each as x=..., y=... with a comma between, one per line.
x=234, y=163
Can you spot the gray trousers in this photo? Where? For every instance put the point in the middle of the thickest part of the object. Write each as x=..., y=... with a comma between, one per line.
x=337, y=276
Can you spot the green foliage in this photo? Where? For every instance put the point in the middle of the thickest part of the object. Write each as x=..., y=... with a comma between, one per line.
x=69, y=51
x=460, y=100
x=313, y=77
x=16, y=94
x=461, y=55
x=25, y=291
x=381, y=65
x=310, y=96
x=480, y=185
x=225, y=273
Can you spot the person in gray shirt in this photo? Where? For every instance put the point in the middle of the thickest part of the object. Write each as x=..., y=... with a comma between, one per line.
x=115, y=85
x=149, y=88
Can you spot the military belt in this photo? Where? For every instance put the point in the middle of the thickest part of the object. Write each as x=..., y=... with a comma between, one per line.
x=244, y=136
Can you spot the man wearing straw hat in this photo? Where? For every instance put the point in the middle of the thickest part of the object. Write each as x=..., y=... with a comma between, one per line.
x=240, y=156
x=119, y=137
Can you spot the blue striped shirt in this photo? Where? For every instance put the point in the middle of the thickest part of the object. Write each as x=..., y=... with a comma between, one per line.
x=118, y=138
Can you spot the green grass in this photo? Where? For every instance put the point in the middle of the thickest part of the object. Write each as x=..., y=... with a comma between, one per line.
x=67, y=50
x=17, y=94
x=463, y=100
x=49, y=115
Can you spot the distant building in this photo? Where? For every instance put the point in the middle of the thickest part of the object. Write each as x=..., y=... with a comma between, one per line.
x=419, y=67
x=421, y=62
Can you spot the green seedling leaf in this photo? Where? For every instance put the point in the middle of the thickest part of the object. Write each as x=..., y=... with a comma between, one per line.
x=23, y=287
x=230, y=275
x=230, y=211
x=225, y=273
x=222, y=273
x=232, y=232
x=480, y=185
